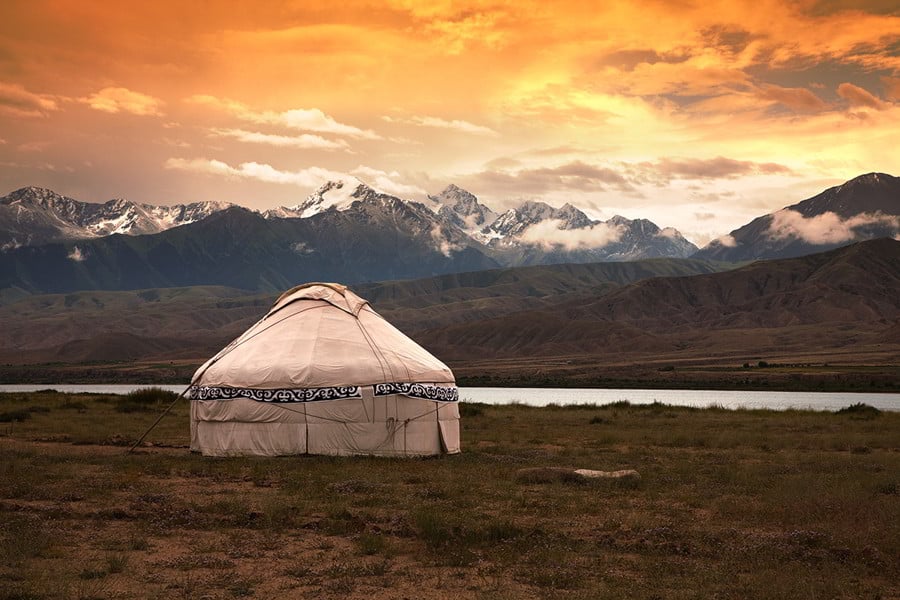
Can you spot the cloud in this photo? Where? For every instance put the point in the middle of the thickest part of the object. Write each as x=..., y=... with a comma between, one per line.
x=305, y=141
x=455, y=124
x=713, y=168
x=548, y=235
x=669, y=232
x=857, y=96
x=119, y=99
x=442, y=244
x=461, y=32
x=726, y=240
x=34, y=146
x=302, y=119
x=891, y=87
x=575, y=175
x=797, y=99
x=302, y=248
x=77, y=255
x=383, y=181
x=827, y=228
x=503, y=163
x=15, y=100
x=310, y=177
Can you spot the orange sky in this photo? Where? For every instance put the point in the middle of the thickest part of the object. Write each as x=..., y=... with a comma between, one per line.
x=695, y=115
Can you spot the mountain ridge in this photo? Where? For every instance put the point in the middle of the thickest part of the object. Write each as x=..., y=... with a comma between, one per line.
x=865, y=207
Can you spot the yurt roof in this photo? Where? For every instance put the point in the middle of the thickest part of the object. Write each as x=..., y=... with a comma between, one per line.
x=321, y=335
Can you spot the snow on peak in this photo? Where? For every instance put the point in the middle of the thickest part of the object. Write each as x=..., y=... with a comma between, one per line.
x=337, y=194
x=462, y=208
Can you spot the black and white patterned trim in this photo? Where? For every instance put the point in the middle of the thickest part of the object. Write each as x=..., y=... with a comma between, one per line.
x=198, y=392
x=426, y=391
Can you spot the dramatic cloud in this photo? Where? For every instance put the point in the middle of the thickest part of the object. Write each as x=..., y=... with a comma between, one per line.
x=302, y=119
x=857, y=96
x=548, y=235
x=119, y=99
x=455, y=124
x=310, y=177
x=827, y=228
x=797, y=99
x=16, y=101
x=623, y=107
x=305, y=141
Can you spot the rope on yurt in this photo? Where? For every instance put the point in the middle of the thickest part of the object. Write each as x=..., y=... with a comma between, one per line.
x=164, y=413
x=227, y=350
x=375, y=352
x=235, y=344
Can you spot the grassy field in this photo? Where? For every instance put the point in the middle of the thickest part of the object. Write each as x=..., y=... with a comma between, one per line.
x=730, y=504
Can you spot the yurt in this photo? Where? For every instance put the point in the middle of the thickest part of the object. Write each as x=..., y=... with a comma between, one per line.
x=323, y=373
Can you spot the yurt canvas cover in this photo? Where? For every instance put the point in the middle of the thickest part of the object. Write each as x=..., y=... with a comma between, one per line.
x=323, y=373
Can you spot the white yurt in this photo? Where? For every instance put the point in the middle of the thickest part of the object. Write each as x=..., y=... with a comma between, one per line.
x=323, y=373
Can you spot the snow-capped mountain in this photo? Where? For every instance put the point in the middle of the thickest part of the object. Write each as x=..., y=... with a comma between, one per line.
x=333, y=195
x=452, y=223
x=536, y=233
x=514, y=222
x=862, y=208
x=32, y=216
x=463, y=209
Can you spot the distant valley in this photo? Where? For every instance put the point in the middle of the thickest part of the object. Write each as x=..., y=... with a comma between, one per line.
x=832, y=317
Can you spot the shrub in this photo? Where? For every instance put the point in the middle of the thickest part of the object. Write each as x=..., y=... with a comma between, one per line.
x=145, y=400
x=470, y=409
x=370, y=543
x=151, y=395
x=860, y=410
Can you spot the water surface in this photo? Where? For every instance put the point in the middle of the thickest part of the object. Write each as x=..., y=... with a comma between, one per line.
x=563, y=396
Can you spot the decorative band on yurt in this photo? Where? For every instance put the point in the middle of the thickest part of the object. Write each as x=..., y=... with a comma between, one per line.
x=424, y=391
x=418, y=390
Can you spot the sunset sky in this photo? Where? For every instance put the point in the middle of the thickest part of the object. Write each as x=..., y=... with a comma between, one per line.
x=696, y=115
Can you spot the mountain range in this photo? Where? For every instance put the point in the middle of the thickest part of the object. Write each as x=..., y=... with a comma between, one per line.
x=347, y=231
x=34, y=216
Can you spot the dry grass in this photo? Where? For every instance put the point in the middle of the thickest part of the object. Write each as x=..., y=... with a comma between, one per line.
x=744, y=504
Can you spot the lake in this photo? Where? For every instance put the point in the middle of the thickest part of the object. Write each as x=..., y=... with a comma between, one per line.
x=544, y=396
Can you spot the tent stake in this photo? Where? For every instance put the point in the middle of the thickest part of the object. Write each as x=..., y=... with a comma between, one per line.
x=164, y=413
